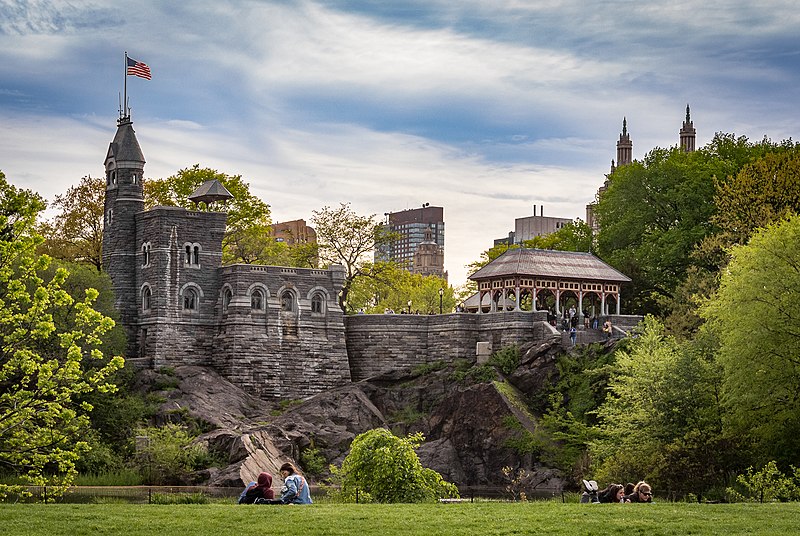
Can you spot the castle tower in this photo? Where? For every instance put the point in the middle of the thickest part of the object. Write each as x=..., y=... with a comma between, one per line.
x=687, y=133
x=624, y=146
x=124, y=166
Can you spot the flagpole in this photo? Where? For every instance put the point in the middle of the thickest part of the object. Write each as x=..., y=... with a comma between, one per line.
x=125, y=94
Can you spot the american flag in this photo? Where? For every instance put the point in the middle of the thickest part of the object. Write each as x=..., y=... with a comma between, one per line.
x=137, y=68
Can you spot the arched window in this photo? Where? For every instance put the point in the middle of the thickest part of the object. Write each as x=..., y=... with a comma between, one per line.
x=190, y=300
x=257, y=300
x=146, y=254
x=191, y=255
x=317, y=304
x=110, y=216
x=227, y=296
x=134, y=178
x=147, y=298
x=287, y=301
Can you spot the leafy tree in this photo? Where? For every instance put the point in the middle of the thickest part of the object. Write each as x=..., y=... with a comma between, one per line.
x=763, y=192
x=76, y=233
x=347, y=239
x=755, y=314
x=385, y=468
x=50, y=354
x=574, y=236
x=392, y=287
x=247, y=238
x=662, y=419
x=166, y=454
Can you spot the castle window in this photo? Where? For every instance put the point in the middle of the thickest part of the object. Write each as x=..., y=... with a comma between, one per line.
x=190, y=300
x=317, y=304
x=191, y=255
x=147, y=298
x=110, y=216
x=227, y=296
x=146, y=254
x=113, y=178
x=133, y=178
x=257, y=300
x=287, y=301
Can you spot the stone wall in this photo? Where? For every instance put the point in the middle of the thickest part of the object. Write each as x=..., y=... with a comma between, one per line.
x=380, y=343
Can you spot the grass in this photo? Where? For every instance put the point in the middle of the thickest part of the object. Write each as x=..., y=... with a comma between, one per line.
x=482, y=518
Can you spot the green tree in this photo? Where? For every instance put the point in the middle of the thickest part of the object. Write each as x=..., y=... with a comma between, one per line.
x=392, y=287
x=662, y=419
x=756, y=316
x=47, y=359
x=247, y=238
x=385, y=468
x=166, y=454
x=574, y=236
x=347, y=239
x=76, y=233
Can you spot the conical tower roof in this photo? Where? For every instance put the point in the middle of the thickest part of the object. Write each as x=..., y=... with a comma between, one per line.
x=125, y=147
x=209, y=192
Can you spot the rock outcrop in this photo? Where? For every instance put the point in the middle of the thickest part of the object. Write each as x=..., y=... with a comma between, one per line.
x=473, y=428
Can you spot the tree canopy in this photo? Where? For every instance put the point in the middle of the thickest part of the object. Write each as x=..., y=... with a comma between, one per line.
x=392, y=287
x=348, y=239
x=755, y=314
x=50, y=354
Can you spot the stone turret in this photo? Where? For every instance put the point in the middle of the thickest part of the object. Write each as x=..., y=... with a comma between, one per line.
x=124, y=198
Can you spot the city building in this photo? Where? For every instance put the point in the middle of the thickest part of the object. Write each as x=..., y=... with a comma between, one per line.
x=415, y=227
x=294, y=232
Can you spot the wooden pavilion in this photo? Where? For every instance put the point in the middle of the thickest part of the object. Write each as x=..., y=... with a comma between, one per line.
x=523, y=279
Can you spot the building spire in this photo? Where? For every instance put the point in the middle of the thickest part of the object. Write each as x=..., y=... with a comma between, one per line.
x=687, y=133
x=624, y=145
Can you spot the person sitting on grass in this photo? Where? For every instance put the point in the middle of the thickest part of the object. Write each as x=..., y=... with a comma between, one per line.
x=295, y=488
x=642, y=493
x=258, y=490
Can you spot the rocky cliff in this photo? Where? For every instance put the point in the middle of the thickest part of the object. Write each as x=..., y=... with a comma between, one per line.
x=475, y=419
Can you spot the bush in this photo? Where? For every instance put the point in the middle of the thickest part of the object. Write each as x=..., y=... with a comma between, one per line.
x=312, y=460
x=767, y=485
x=384, y=468
x=166, y=454
x=506, y=359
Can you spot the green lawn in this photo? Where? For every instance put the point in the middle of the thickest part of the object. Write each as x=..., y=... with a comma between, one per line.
x=484, y=518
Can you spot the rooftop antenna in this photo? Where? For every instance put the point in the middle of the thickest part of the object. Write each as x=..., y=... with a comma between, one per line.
x=125, y=111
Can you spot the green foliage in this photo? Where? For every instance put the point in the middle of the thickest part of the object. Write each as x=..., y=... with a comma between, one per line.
x=312, y=460
x=76, y=233
x=389, y=286
x=662, y=420
x=506, y=359
x=574, y=236
x=179, y=498
x=755, y=316
x=166, y=454
x=386, y=468
x=51, y=354
x=768, y=484
x=119, y=477
x=427, y=368
x=474, y=374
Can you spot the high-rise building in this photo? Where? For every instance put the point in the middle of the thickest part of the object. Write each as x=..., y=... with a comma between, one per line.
x=294, y=232
x=412, y=226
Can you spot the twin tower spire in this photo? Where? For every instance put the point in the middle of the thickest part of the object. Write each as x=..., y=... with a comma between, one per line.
x=625, y=146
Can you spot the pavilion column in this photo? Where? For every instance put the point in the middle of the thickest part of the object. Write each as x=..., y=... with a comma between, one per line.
x=603, y=304
x=534, y=296
x=517, y=307
x=480, y=302
x=618, y=304
x=504, y=293
x=580, y=306
x=558, y=302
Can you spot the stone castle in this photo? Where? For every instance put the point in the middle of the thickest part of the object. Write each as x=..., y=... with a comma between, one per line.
x=277, y=332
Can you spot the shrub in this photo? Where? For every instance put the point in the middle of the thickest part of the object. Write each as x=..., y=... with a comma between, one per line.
x=768, y=484
x=166, y=454
x=506, y=359
x=312, y=460
x=385, y=468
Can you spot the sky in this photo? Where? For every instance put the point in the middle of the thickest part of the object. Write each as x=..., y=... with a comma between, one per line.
x=483, y=107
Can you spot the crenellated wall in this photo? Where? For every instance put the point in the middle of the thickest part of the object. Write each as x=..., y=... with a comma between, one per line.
x=380, y=343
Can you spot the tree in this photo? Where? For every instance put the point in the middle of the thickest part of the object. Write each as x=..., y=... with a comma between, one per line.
x=574, y=236
x=48, y=357
x=384, y=468
x=755, y=314
x=392, y=287
x=662, y=419
x=657, y=211
x=347, y=239
x=247, y=238
x=76, y=233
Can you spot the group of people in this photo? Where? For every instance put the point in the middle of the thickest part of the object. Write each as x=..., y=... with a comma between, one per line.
x=617, y=493
x=294, y=491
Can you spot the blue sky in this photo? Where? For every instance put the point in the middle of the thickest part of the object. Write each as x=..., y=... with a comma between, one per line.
x=483, y=107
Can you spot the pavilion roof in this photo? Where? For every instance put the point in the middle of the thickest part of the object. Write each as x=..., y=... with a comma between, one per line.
x=549, y=263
